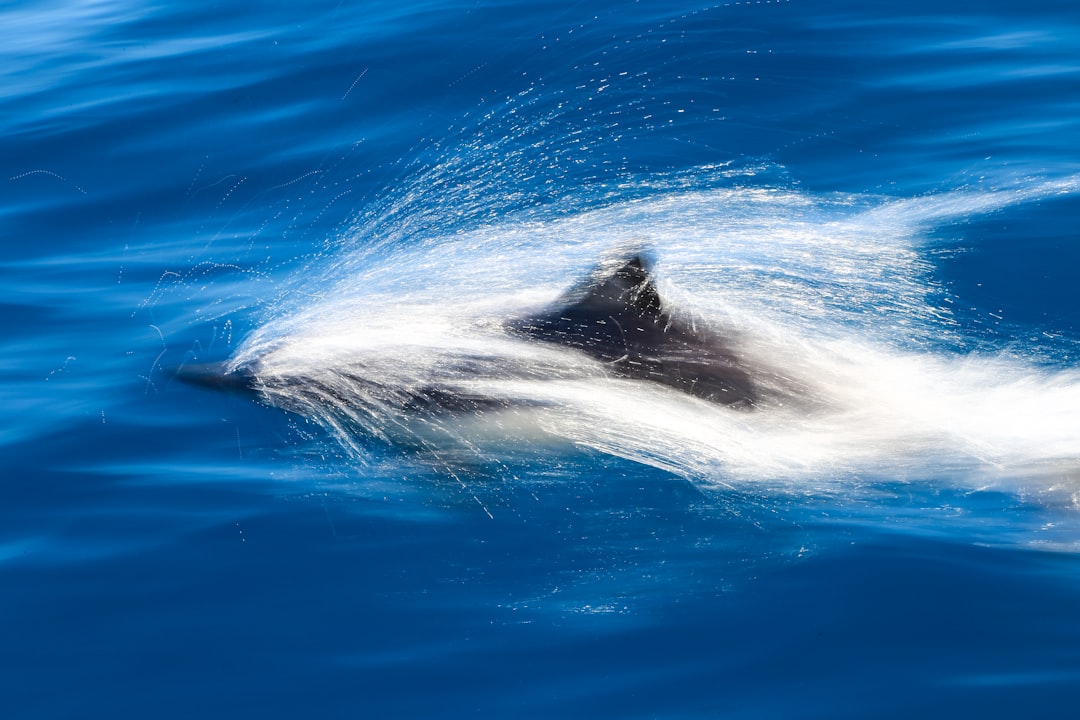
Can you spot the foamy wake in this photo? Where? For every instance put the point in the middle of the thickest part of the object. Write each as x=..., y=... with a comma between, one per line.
x=830, y=300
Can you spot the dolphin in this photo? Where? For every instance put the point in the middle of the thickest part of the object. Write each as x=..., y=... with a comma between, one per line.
x=615, y=317
x=578, y=372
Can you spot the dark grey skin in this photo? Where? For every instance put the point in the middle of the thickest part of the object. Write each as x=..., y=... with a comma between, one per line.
x=617, y=318
x=217, y=376
x=621, y=321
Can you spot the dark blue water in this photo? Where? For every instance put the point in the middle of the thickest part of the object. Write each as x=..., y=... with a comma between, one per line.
x=178, y=177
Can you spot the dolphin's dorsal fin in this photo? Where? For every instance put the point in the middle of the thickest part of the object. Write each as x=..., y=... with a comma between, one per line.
x=628, y=290
x=617, y=318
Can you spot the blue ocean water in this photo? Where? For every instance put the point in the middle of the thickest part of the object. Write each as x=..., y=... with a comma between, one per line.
x=881, y=198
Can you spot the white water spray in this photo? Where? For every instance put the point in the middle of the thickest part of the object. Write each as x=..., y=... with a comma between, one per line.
x=830, y=299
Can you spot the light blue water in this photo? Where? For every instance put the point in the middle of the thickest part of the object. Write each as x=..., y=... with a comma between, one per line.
x=882, y=199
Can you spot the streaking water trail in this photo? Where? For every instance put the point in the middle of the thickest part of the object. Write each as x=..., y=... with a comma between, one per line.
x=829, y=300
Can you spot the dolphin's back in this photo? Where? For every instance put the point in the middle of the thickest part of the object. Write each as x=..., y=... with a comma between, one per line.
x=620, y=320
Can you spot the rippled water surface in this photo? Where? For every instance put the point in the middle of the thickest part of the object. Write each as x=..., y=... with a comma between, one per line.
x=876, y=204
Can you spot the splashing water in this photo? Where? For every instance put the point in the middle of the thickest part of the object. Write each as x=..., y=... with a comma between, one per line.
x=830, y=301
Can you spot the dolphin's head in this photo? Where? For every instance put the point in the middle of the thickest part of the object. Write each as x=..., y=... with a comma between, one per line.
x=220, y=376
